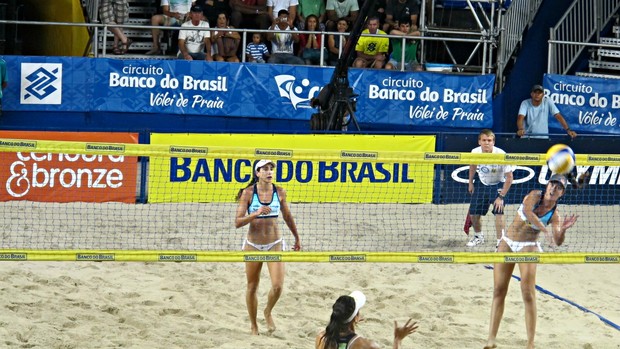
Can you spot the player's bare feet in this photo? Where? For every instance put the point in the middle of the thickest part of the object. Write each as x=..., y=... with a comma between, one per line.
x=490, y=346
x=271, y=326
x=254, y=330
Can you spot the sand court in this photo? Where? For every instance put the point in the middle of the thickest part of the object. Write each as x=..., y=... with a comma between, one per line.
x=202, y=305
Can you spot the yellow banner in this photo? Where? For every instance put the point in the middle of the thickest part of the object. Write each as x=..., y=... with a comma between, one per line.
x=312, y=168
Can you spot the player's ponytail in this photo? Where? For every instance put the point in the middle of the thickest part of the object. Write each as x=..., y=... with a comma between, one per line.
x=252, y=182
x=578, y=181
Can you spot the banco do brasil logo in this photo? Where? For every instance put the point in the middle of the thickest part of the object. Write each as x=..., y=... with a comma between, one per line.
x=41, y=83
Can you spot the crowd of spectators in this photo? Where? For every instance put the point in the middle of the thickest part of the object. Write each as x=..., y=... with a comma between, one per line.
x=278, y=22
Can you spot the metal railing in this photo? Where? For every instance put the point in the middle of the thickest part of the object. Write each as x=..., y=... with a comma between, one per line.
x=100, y=50
x=581, y=23
x=516, y=20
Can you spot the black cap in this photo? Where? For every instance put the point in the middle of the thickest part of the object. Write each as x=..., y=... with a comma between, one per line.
x=560, y=179
x=196, y=8
x=537, y=88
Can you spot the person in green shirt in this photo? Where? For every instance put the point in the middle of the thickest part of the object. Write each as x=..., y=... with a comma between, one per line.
x=311, y=7
x=411, y=47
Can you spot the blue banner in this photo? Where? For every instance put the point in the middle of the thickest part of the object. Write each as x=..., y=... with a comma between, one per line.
x=243, y=90
x=588, y=104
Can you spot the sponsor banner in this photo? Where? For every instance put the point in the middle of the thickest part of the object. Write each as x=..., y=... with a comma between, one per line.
x=589, y=105
x=605, y=178
x=244, y=90
x=352, y=172
x=58, y=177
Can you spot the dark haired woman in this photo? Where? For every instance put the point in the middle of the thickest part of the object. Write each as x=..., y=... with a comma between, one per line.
x=260, y=204
x=340, y=332
x=538, y=210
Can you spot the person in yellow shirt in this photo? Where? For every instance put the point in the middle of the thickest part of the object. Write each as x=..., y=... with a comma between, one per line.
x=371, y=50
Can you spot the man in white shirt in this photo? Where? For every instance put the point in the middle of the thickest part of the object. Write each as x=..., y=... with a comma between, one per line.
x=174, y=12
x=283, y=37
x=492, y=184
x=275, y=6
x=193, y=43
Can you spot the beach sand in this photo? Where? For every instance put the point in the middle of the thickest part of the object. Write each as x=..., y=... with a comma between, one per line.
x=202, y=305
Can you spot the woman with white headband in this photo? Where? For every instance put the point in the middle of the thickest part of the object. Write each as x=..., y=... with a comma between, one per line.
x=340, y=332
x=260, y=204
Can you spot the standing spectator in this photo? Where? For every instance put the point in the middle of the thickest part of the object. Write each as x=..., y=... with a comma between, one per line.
x=311, y=7
x=534, y=115
x=371, y=50
x=194, y=43
x=411, y=47
x=311, y=44
x=225, y=42
x=249, y=14
x=336, y=9
x=282, y=40
x=335, y=42
x=397, y=9
x=488, y=185
x=211, y=8
x=275, y=6
x=4, y=79
x=116, y=12
x=256, y=51
x=175, y=12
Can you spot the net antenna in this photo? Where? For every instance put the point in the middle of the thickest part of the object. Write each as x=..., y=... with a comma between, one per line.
x=336, y=102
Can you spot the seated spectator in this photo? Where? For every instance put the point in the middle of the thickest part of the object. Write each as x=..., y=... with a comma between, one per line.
x=174, y=14
x=397, y=9
x=371, y=50
x=116, y=12
x=311, y=44
x=336, y=9
x=225, y=42
x=411, y=47
x=256, y=51
x=282, y=41
x=194, y=43
x=275, y=6
x=311, y=7
x=211, y=8
x=335, y=42
x=249, y=14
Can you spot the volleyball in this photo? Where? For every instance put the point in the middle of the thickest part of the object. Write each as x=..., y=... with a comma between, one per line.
x=560, y=159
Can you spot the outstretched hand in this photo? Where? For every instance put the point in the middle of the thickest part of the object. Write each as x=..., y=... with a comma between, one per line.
x=569, y=221
x=408, y=328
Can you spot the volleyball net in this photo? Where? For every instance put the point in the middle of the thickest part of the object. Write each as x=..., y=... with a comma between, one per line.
x=354, y=199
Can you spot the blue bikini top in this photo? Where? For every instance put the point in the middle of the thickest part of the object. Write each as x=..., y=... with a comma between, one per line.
x=544, y=219
x=274, y=204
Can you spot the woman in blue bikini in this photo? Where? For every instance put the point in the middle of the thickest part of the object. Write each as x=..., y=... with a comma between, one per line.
x=539, y=209
x=260, y=204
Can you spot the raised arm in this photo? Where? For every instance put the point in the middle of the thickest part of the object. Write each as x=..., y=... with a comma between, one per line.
x=529, y=203
x=560, y=226
x=401, y=332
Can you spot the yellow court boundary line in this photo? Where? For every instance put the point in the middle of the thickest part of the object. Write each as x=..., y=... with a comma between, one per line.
x=319, y=257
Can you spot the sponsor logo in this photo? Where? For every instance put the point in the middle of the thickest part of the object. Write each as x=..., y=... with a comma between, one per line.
x=513, y=157
x=95, y=257
x=177, y=258
x=603, y=158
x=358, y=155
x=436, y=259
x=17, y=144
x=13, y=256
x=298, y=95
x=174, y=149
x=273, y=152
x=521, y=259
x=262, y=258
x=348, y=258
x=41, y=83
x=461, y=174
x=602, y=259
x=106, y=147
x=441, y=156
